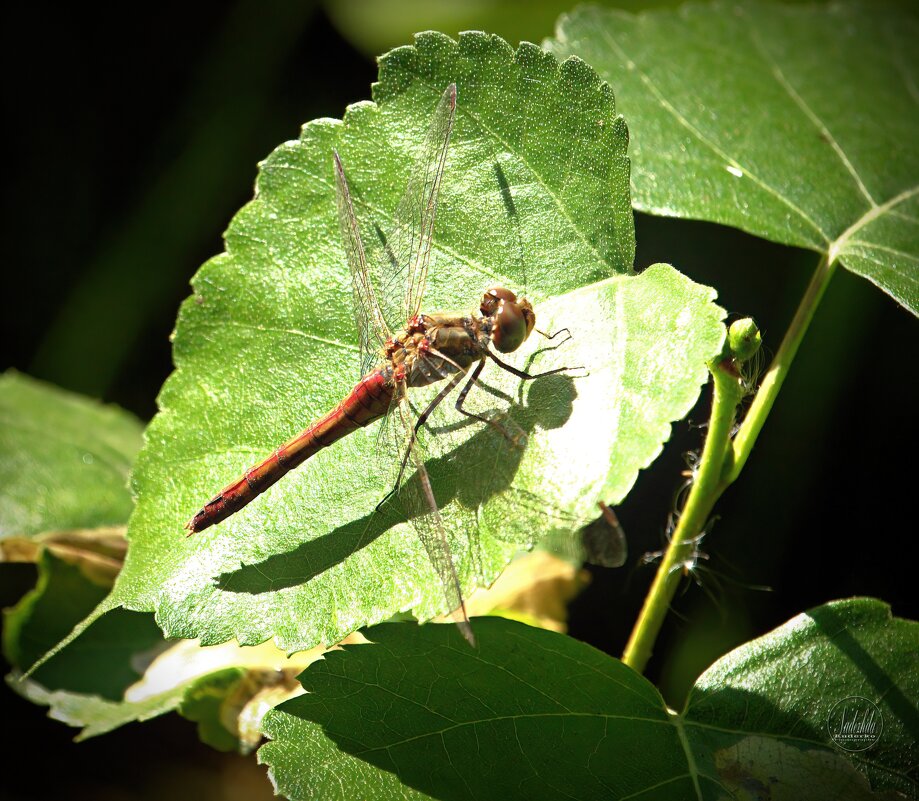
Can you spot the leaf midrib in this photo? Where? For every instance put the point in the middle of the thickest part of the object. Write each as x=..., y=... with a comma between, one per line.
x=837, y=246
x=714, y=148
x=812, y=117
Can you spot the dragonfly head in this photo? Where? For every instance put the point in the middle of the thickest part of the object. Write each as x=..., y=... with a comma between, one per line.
x=512, y=318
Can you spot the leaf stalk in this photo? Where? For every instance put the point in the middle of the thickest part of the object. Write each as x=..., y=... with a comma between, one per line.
x=721, y=462
x=775, y=376
x=706, y=488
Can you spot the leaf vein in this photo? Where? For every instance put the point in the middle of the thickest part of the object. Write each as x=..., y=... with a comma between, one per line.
x=276, y=330
x=839, y=243
x=513, y=718
x=683, y=121
x=875, y=246
x=811, y=115
x=655, y=786
x=690, y=758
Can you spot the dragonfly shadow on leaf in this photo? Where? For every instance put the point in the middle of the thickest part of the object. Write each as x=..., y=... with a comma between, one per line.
x=472, y=473
x=485, y=465
x=479, y=474
x=309, y=559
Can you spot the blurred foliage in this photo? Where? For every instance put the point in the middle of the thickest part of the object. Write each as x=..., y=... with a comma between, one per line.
x=375, y=26
x=64, y=461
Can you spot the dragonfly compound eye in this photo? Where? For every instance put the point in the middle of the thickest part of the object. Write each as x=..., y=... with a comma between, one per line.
x=513, y=322
x=491, y=300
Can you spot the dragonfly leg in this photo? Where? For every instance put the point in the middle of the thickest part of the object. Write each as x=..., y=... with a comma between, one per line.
x=557, y=333
x=523, y=374
x=418, y=423
x=514, y=439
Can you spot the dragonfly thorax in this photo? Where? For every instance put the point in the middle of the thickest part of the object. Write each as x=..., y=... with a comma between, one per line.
x=512, y=319
x=433, y=346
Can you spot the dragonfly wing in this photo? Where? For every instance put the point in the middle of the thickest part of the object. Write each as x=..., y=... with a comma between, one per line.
x=408, y=246
x=372, y=328
x=418, y=503
x=600, y=542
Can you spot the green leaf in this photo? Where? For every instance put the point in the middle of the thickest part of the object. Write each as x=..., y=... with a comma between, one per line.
x=229, y=705
x=421, y=708
x=783, y=688
x=532, y=714
x=85, y=684
x=535, y=196
x=64, y=462
x=64, y=459
x=104, y=661
x=203, y=703
x=57, y=449
x=795, y=124
x=121, y=670
x=95, y=715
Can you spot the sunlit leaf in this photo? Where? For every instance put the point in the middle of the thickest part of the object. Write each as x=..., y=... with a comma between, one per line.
x=798, y=124
x=535, y=197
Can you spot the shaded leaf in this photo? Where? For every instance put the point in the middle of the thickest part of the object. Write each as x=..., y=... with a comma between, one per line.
x=535, y=714
x=99, y=552
x=203, y=704
x=227, y=688
x=121, y=670
x=104, y=661
x=795, y=124
x=229, y=706
x=786, y=685
x=92, y=714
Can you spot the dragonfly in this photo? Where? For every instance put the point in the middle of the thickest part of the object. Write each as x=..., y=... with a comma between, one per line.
x=403, y=348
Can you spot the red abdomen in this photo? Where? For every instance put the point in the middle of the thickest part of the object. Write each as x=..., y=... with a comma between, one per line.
x=368, y=401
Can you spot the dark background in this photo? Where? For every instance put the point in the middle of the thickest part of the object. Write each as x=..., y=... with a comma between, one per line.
x=134, y=137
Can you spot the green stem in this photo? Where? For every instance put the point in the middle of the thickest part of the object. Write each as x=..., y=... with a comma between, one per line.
x=705, y=490
x=721, y=463
x=778, y=370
